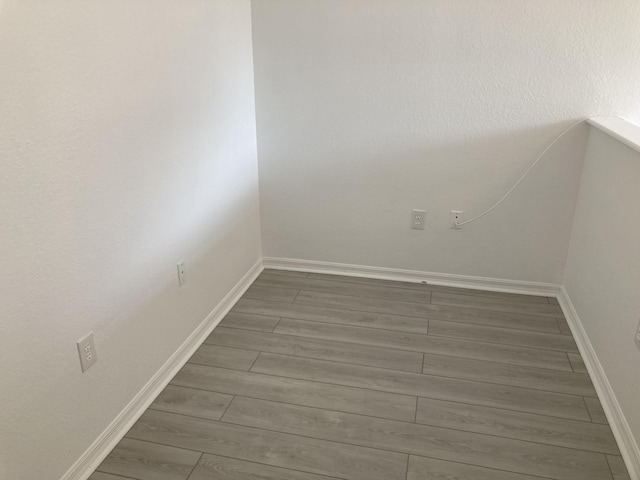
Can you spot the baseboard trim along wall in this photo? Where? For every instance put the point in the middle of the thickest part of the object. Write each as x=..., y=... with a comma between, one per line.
x=619, y=425
x=108, y=439
x=415, y=276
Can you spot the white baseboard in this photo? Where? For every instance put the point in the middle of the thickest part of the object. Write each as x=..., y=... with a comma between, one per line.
x=415, y=276
x=619, y=425
x=108, y=439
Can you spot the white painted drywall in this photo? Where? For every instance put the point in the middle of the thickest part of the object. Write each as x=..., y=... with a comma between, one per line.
x=127, y=143
x=602, y=277
x=368, y=109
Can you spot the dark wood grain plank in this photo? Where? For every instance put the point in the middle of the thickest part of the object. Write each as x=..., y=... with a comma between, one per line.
x=443, y=443
x=505, y=336
x=247, y=321
x=332, y=315
x=497, y=305
x=301, y=392
x=421, y=468
x=373, y=305
x=223, y=357
x=289, y=273
x=149, y=461
x=190, y=401
x=345, y=288
x=595, y=410
x=503, y=374
x=271, y=294
x=510, y=297
x=517, y=425
x=438, y=312
x=618, y=468
x=320, y=349
x=577, y=363
x=564, y=326
x=271, y=448
x=213, y=467
x=441, y=388
x=427, y=344
x=108, y=476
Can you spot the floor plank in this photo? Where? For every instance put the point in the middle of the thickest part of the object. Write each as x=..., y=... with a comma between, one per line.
x=300, y=392
x=426, y=344
x=517, y=425
x=190, y=401
x=247, y=321
x=577, y=363
x=564, y=327
x=271, y=448
x=345, y=288
x=595, y=410
x=332, y=315
x=223, y=357
x=442, y=388
x=421, y=468
x=618, y=468
x=511, y=297
x=108, y=476
x=149, y=461
x=320, y=349
x=503, y=374
x=506, y=336
x=443, y=443
x=437, y=312
x=374, y=305
x=290, y=273
x=271, y=294
x=498, y=305
x=214, y=467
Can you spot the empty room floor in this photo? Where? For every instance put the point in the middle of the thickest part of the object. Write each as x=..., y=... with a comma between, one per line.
x=322, y=377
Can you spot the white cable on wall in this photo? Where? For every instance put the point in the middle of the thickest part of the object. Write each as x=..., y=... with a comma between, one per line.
x=495, y=205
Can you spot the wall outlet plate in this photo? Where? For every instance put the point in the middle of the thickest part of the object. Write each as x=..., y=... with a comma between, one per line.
x=417, y=219
x=637, y=337
x=455, y=217
x=87, y=351
x=182, y=274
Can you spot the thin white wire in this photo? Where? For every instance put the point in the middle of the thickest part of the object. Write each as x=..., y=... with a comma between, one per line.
x=495, y=205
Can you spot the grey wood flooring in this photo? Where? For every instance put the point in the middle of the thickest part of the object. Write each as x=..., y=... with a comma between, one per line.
x=324, y=377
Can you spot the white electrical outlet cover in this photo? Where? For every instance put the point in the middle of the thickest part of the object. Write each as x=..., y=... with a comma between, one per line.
x=418, y=219
x=455, y=217
x=87, y=352
x=182, y=274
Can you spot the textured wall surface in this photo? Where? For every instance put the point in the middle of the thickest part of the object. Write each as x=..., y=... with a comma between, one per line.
x=603, y=265
x=367, y=109
x=127, y=143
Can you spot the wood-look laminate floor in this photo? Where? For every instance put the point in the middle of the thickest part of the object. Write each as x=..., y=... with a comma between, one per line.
x=322, y=377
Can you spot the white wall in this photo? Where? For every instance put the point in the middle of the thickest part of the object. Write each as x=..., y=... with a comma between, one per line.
x=127, y=143
x=603, y=266
x=367, y=109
